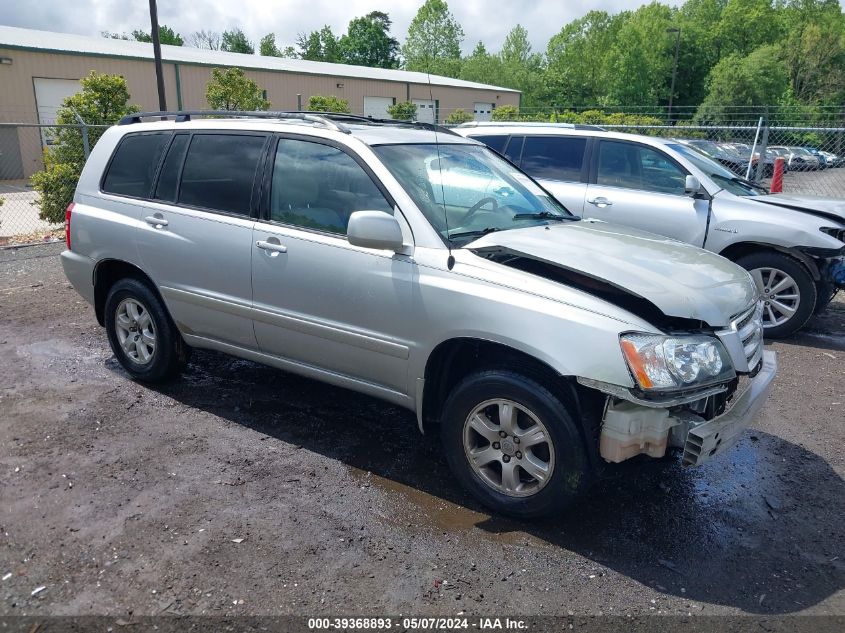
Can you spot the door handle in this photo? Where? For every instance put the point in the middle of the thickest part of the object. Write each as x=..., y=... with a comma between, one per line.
x=272, y=247
x=155, y=221
x=601, y=202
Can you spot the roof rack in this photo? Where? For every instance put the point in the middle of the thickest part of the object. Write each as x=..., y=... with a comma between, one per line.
x=180, y=116
x=570, y=126
x=330, y=120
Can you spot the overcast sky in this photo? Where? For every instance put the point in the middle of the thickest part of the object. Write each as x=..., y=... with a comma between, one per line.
x=485, y=20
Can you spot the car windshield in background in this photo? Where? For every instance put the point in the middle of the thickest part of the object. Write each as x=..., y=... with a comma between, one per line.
x=466, y=191
x=724, y=178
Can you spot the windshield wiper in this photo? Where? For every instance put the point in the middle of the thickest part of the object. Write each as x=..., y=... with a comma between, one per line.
x=748, y=183
x=542, y=215
x=478, y=233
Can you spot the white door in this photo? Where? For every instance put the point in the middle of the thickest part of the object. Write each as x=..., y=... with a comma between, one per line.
x=376, y=107
x=482, y=111
x=49, y=94
x=425, y=110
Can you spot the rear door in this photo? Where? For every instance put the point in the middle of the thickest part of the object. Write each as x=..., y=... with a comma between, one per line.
x=640, y=186
x=558, y=163
x=196, y=235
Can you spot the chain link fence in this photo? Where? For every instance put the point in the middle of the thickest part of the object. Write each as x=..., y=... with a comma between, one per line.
x=23, y=149
x=813, y=157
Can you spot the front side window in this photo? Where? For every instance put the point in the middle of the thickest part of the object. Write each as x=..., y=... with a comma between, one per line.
x=553, y=157
x=133, y=167
x=466, y=191
x=318, y=187
x=722, y=177
x=632, y=166
x=219, y=172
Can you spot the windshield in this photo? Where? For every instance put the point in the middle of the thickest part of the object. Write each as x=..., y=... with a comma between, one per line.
x=725, y=179
x=707, y=147
x=466, y=191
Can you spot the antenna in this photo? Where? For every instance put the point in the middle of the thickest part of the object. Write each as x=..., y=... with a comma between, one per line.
x=450, y=262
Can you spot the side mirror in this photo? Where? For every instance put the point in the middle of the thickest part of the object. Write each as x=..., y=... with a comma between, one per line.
x=374, y=229
x=692, y=186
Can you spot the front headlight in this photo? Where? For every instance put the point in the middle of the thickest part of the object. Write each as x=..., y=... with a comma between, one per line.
x=670, y=363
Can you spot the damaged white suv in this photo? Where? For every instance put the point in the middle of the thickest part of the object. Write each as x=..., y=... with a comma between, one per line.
x=408, y=263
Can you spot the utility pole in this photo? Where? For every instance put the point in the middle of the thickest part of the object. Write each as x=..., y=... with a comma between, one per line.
x=162, y=100
x=677, y=33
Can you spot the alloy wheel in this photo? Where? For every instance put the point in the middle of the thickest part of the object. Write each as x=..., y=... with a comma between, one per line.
x=780, y=294
x=508, y=447
x=135, y=331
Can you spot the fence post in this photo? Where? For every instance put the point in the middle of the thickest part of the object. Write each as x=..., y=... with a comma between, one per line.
x=764, y=144
x=84, y=129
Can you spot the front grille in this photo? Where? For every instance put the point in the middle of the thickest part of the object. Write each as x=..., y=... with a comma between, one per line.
x=749, y=327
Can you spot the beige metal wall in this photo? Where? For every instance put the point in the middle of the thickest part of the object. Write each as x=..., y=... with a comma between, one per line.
x=17, y=92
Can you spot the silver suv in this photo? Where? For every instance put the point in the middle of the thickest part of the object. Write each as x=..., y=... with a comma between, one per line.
x=794, y=246
x=414, y=265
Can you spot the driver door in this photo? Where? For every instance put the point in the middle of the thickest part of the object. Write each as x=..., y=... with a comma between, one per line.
x=639, y=186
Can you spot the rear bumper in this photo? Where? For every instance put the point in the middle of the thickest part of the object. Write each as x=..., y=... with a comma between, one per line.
x=715, y=436
x=79, y=271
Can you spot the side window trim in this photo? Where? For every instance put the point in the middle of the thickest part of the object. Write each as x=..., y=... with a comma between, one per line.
x=252, y=200
x=517, y=160
x=106, y=171
x=594, y=167
x=179, y=171
x=266, y=185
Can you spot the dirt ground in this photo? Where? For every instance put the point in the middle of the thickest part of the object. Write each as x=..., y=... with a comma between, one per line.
x=244, y=490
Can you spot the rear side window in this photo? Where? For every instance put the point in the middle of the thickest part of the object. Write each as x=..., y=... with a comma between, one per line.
x=168, y=179
x=554, y=157
x=134, y=164
x=494, y=142
x=220, y=170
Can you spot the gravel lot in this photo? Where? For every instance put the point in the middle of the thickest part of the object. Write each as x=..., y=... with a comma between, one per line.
x=244, y=490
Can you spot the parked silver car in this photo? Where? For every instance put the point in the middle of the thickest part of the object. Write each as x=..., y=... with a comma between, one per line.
x=798, y=158
x=414, y=265
x=794, y=246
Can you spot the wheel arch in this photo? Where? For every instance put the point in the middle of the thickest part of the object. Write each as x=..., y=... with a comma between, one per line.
x=107, y=272
x=454, y=359
x=740, y=249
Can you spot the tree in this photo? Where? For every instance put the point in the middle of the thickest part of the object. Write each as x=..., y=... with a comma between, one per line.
x=434, y=41
x=103, y=100
x=230, y=89
x=571, y=80
x=319, y=103
x=205, y=39
x=403, y=111
x=753, y=82
x=481, y=66
x=319, y=46
x=747, y=24
x=458, y=116
x=521, y=69
x=267, y=46
x=235, y=41
x=166, y=35
x=368, y=42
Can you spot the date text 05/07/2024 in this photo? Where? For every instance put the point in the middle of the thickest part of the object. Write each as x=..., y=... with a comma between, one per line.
x=416, y=623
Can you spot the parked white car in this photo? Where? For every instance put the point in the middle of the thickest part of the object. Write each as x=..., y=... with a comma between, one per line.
x=794, y=246
x=419, y=267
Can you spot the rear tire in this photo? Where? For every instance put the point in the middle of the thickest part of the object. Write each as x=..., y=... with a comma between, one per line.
x=788, y=291
x=514, y=445
x=141, y=333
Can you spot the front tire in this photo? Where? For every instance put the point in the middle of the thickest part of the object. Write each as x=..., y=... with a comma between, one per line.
x=514, y=445
x=141, y=333
x=788, y=291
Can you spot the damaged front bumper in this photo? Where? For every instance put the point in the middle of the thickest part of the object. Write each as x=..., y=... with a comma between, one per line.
x=632, y=427
x=710, y=438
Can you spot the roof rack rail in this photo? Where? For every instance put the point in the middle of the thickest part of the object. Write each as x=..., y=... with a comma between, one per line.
x=345, y=116
x=180, y=116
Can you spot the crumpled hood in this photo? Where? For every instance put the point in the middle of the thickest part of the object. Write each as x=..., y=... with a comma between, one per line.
x=815, y=205
x=681, y=280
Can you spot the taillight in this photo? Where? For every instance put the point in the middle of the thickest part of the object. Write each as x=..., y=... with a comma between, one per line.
x=68, y=213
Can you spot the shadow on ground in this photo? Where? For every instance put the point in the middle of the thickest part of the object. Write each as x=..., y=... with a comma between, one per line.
x=752, y=530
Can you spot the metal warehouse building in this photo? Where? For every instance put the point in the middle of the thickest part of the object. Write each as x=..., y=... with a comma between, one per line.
x=38, y=69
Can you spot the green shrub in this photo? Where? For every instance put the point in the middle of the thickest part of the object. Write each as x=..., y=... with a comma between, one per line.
x=230, y=89
x=459, y=116
x=320, y=103
x=403, y=111
x=103, y=101
x=506, y=113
